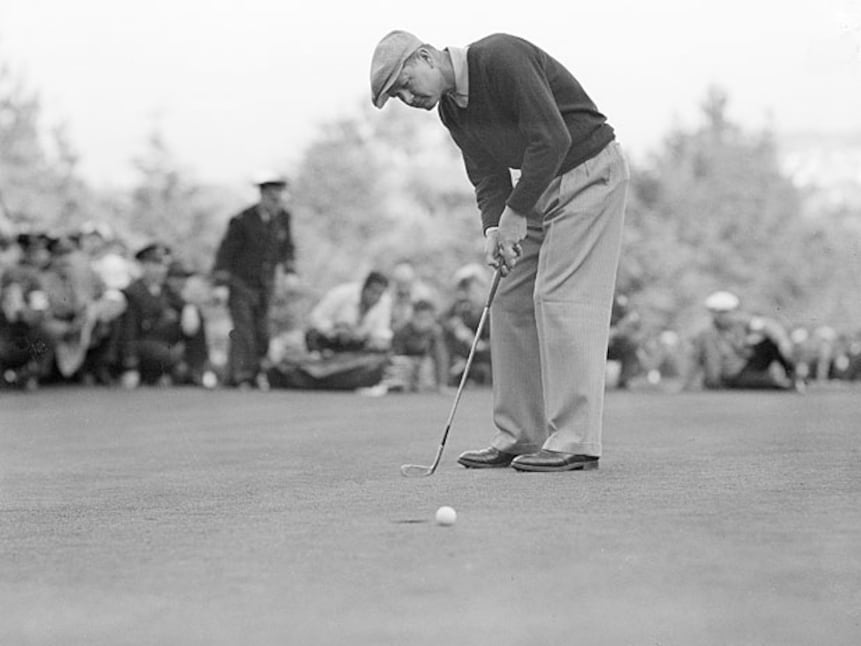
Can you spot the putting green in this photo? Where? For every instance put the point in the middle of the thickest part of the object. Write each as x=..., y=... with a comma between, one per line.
x=192, y=517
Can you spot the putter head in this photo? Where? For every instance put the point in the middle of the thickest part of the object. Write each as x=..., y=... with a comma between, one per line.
x=415, y=471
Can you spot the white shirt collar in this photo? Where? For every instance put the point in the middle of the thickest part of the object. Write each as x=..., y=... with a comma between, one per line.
x=461, y=75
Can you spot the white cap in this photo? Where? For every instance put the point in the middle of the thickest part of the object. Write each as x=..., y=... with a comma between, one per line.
x=722, y=301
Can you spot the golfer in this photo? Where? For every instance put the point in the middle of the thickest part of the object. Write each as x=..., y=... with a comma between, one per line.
x=555, y=235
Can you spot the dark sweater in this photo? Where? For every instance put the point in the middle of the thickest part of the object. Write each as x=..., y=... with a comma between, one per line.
x=526, y=111
x=251, y=249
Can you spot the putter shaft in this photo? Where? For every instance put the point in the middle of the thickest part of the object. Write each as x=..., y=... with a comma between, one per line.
x=417, y=470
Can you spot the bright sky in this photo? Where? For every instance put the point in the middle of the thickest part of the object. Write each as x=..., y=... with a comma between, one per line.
x=237, y=86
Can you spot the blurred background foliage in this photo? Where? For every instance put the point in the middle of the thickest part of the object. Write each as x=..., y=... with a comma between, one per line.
x=709, y=209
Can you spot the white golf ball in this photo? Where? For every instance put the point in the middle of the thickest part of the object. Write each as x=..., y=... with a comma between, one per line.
x=445, y=516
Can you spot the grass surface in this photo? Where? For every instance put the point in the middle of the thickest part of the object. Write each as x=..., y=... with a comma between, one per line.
x=187, y=517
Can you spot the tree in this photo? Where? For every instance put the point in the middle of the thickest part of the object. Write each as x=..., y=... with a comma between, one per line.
x=714, y=211
x=39, y=183
x=373, y=189
x=168, y=205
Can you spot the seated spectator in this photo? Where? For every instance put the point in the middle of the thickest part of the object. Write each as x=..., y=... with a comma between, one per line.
x=849, y=362
x=352, y=317
x=25, y=348
x=69, y=293
x=115, y=266
x=667, y=358
x=79, y=317
x=624, y=341
x=161, y=339
x=460, y=320
x=419, y=359
x=407, y=289
x=741, y=350
x=826, y=348
x=189, y=293
x=346, y=344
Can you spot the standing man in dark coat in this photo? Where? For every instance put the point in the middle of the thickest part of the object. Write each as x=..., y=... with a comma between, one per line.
x=555, y=235
x=257, y=246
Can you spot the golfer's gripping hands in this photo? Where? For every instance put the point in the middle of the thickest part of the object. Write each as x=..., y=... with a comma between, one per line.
x=502, y=244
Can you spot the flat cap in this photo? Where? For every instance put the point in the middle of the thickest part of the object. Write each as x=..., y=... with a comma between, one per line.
x=389, y=57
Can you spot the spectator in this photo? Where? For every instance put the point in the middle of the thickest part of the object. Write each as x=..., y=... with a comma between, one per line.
x=460, y=320
x=114, y=265
x=407, y=289
x=826, y=347
x=666, y=359
x=73, y=290
x=160, y=341
x=624, y=342
x=188, y=294
x=257, y=252
x=851, y=368
x=419, y=359
x=35, y=252
x=741, y=350
x=353, y=317
x=25, y=348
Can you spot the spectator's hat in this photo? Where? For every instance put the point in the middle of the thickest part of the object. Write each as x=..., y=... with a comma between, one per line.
x=389, y=57
x=153, y=252
x=270, y=178
x=722, y=301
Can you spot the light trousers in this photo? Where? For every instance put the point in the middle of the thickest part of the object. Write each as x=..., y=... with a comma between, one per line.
x=550, y=319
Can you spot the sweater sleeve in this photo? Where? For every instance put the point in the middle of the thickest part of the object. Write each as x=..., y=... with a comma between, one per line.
x=225, y=257
x=517, y=77
x=491, y=180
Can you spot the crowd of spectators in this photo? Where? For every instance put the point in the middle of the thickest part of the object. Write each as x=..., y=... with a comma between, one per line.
x=736, y=347
x=85, y=309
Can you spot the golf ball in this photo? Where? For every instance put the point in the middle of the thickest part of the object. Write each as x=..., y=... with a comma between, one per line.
x=445, y=516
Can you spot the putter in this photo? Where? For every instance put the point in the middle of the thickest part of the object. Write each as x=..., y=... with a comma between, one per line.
x=418, y=470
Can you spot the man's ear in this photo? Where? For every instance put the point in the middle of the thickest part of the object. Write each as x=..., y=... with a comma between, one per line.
x=425, y=54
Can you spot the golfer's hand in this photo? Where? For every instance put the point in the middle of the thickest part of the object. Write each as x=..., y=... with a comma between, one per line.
x=502, y=246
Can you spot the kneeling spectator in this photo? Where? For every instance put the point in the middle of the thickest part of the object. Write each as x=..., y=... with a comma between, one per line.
x=353, y=317
x=25, y=347
x=460, y=322
x=162, y=338
x=419, y=356
x=741, y=350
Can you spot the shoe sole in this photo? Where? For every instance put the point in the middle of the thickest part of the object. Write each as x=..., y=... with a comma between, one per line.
x=577, y=466
x=482, y=465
